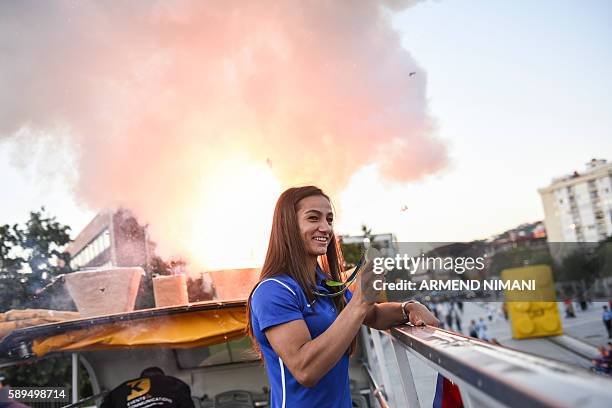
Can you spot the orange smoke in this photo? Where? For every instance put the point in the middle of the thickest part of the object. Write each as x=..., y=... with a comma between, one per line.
x=196, y=114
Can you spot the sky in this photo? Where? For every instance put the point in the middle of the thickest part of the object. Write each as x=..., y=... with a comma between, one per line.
x=518, y=93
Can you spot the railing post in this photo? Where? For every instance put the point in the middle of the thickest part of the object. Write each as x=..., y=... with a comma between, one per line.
x=406, y=377
x=75, y=377
x=93, y=378
x=380, y=360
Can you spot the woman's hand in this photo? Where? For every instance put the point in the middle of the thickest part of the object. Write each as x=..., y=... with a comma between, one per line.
x=364, y=291
x=419, y=315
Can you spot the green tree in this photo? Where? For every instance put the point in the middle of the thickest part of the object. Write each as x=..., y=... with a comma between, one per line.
x=353, y=252
x=587, y=262
x=518, y=257
x=31, y=256
x=55, y=371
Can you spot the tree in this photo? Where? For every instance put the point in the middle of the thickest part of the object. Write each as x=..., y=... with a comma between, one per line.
x=518, y=257
x=353, y=252
x=586, y=262
x=31, y=256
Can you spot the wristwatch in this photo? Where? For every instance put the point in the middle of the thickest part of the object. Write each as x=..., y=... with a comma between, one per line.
x=405, y=314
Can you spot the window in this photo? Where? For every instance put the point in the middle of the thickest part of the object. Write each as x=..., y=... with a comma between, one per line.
x=235, y=351
x=106, y=239
x=98, y=245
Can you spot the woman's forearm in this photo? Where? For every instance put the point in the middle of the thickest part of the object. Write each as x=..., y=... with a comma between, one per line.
x=384, y=316
x=320, y=354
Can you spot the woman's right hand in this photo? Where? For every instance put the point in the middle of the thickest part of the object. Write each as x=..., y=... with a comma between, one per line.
x=364, y=291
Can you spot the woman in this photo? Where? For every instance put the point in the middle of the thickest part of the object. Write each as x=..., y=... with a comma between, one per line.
x=304, y=332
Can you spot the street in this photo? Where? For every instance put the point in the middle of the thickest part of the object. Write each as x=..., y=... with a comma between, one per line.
x=587, y=328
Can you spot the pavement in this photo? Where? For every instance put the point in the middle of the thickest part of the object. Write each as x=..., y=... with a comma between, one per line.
x=587, y=326
x=576, y=346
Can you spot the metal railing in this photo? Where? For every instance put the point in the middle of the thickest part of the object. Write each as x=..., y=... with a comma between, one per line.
x=487, y=375
x=377, y=392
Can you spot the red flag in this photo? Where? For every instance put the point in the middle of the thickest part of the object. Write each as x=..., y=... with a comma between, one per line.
x=447, y=394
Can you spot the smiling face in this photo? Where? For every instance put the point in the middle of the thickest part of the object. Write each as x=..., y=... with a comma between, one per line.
x=315, y=219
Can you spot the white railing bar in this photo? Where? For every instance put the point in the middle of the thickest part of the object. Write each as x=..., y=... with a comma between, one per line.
x=497, y=376
x=75, y=376
x=380, y=360
x=406, y=377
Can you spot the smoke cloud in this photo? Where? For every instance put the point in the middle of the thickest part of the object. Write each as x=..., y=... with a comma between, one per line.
x=156, y=96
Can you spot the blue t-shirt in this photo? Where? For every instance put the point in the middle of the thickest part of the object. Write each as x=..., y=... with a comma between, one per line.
x=279, y=300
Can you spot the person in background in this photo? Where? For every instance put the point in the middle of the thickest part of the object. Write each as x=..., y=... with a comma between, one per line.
x=434, y=309
x=481, y=328
x=448, y=310
x=569, y=308
x=607, y=320
x=440, y=312
x=473, y=330
x=489, y=312
x=603, y=363
x=582, y=301
x=153, y=389
x=456, y=316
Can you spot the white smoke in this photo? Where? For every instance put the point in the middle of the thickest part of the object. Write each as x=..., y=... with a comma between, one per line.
x=155, y=95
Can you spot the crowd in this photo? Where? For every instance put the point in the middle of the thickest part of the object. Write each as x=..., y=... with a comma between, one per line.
x=450, y=315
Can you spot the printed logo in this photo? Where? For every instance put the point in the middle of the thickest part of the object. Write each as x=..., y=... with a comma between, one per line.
x=139, y=387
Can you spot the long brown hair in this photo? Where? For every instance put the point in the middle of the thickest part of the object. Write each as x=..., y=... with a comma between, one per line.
x=287, y=252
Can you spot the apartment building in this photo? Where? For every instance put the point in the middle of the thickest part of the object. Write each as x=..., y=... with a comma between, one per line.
x=578, y=207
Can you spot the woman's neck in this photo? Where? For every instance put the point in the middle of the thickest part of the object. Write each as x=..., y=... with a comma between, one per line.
x=311, y=264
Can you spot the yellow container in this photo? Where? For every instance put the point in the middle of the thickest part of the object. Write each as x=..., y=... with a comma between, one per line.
x=533, y=313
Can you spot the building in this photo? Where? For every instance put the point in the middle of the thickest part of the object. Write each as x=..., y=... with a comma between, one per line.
x=531, y=235
x=385, y=243
x=112, y=238
x=116, y=239
x=578, y=207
